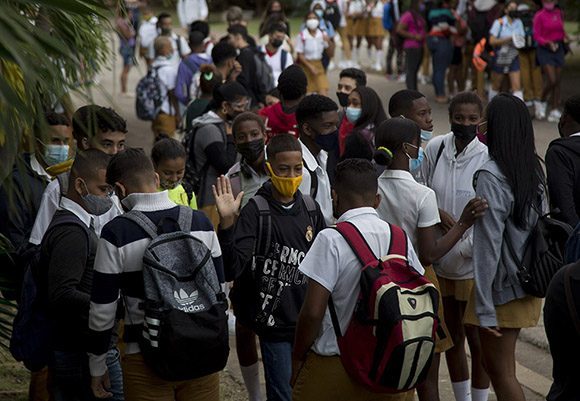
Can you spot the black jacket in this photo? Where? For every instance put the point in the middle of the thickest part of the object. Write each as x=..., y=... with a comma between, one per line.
x=279, y=287
x=563, y=170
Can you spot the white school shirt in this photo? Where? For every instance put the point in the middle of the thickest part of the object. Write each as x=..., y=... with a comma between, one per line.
x=189, y=11
x=176, y=56
x=377, y=11
x=332, y=263
x=148, y=32
x=406, y=203
x=49, y=205
x=167, y=73
x=452, y=180
x=312, y=46
x=275, y=61
x=318, y=165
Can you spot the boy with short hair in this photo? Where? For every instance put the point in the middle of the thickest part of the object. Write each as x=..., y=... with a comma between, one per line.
x=93, y=127
x=270, y=238
x=118, y=273
x=317, y=123
x=413, y=105
x=68, y=253
x=168, y=117
x=187, y=73
x=334, y=270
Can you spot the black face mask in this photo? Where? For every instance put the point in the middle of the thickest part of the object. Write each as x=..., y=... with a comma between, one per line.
x=251, y=151
x=276, y=43
x=342, y=99
x=464, y=132
x=328, y=142
x=513, y=14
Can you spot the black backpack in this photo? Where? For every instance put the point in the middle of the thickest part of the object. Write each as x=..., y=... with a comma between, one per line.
x=185, y=327
x=31, y=339
x=193, y=176
x=544, y=254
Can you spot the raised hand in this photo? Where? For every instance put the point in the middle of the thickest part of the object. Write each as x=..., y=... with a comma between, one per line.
x=227, y=205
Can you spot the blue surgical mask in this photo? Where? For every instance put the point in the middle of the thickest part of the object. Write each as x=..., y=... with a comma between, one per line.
x=319, y=13
x=353, y=114
x=414, y=164
x=426, y=135
x=55, y=154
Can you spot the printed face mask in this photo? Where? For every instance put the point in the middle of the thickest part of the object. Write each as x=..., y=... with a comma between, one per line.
x=251, y=151
x=342, y=99
x=353, y=114
x=286, y=186
x=55, y=154
x=464, y=132
x=168, y=185
x=96, y=205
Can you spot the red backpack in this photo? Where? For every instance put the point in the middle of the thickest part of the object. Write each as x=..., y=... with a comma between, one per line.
x=388, y=345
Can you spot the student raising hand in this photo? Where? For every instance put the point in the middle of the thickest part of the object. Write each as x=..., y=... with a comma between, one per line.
x=227, y=205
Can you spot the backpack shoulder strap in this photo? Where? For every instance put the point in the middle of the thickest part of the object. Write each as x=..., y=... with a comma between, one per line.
x=310, y=204
x=398, y=245
x=178, y=42
x=357, y=242
x=63, y=182
x=184, y=218
x=264, y=237
x=142, y=221
x=439, y=153
x=283, y=59
x=313, y=180
x=570, y=298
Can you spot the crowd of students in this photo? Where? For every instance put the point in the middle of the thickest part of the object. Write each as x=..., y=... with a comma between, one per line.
x=138, y=254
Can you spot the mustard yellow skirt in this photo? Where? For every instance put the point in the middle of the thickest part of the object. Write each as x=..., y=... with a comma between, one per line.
x=316, y=82
x=517, y=314
x=460, y=290
x=375, y=28
x=442, y=344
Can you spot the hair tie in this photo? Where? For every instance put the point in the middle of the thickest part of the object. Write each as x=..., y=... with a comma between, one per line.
x=386, y=150
x=208, y=76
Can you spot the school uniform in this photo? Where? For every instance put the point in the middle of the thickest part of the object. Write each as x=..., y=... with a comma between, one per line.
x=375, y=21
x=451, y=177
x=166, y=120
x=312, y=46
x=279, y=61
x=332, y=264
x=411, y=206
x=319, y=187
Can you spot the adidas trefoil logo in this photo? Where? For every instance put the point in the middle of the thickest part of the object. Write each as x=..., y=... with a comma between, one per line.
x=185, y=299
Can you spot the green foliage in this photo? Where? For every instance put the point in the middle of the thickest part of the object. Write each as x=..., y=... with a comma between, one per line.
x=48, y=47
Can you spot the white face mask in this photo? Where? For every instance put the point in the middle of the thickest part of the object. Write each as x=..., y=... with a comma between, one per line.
x=312, y=23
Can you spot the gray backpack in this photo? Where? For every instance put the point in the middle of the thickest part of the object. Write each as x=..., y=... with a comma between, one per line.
x=185, y=330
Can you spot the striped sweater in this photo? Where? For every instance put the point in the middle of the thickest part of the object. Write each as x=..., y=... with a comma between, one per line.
x=118, y=271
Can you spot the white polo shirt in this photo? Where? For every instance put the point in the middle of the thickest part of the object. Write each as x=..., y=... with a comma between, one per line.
x=332, y=263
x=310, y=45
x=406, y=203
x=318, y=165
x=275, y=61
x=50, y=203
x=167, y=73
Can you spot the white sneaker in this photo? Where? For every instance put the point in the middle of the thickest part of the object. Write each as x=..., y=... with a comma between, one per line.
x=540, y=110
x=331, y=66
x=422, y=79
x=402, y=78
x=554, y=116
x=342, y=64
x=378, y=67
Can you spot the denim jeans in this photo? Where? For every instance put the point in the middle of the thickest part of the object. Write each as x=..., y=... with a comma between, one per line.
x=71, y=378
x=277, y=359
x=441, y=52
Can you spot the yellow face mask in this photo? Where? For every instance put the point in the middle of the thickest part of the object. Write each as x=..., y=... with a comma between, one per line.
x=286, y=186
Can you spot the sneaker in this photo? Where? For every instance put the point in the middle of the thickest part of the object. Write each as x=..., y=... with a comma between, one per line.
x=402, y=78
x=422, y=79
x=540, y=110
x=331, y=66
x=554, y=116
x=342, y=64
x=378, y=67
